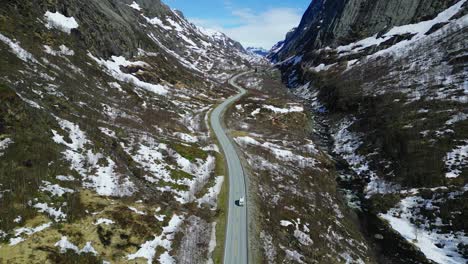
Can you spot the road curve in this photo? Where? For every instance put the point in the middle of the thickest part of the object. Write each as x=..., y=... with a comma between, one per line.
x=236, y=242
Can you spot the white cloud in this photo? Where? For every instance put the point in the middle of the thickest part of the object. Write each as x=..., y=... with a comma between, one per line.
x=262, y=29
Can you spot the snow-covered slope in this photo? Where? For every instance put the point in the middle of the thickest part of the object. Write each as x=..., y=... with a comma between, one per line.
x=390, y=88
x=258, y=51
x=105, y=154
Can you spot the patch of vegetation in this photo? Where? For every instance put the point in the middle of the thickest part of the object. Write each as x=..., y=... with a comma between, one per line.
x=175, y=186
x=181, y=175
x=71, y=257
x=381, y=203
x=190, y=152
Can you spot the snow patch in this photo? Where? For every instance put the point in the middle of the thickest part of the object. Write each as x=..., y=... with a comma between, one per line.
x=457, y=160
x=54, y=189
x=27, y=231
x=57, y=214
x=148, y=249
x=400, y=219
x=58, y=21
x=18, y=50
x=104, y=221
x=135, y=6
x=113, y=69
x=4, y=145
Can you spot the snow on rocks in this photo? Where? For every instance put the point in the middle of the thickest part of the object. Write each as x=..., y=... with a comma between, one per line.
x=106, y=181
x=186, y=137
x=18, y=50
x=54, y=189
x=148, y=249
x=65, y=178
x=88, y=248
x=280, y=152
x=419, y=31
x=212, y=194
x=64, y=245
x=346, y=144
x=268, y=247
x=322, y=67
x=63, y=51
x=459, y=117
x=457, y=160
x=4, y=145
x=56, y=214
x=300, y=235
x=293, y=255
x=135, y=6
x=104, y=221
x=58, y=21
x=400, y=219
x=28, y=231
x=136, y=211
x=290, y=109
x=113, y=69
x=212, y=244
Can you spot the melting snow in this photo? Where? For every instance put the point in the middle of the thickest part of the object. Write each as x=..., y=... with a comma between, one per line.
x=55, y=189
x=278, y=110
x=60, y=22
x=65, y=178
x=65, y=245
x=457, y=160
x=158, y=22
x=63, y=51
x=418, y=30
x=148, y=249
x=212, y=194
x=57, y=214
x=400, y=220
x=105, y=180
x=4, y=145
x=133, y=209
x=279, y=152
x=135, y=6
x=18, y=50
x=113, y=69
x=27, y=231
x=104, y=221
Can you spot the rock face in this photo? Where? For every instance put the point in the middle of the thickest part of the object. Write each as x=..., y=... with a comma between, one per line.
x=332, y=23
x=387, y=79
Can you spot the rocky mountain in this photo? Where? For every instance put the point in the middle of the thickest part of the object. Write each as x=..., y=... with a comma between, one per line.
x=105, y=154
x=258, y=51
x=386, y=81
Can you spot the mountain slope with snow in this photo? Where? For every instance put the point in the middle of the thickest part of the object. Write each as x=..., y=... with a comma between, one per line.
x=105, y=153
x=387, y=81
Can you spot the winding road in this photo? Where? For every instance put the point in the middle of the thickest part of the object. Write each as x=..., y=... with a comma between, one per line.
x=236, y=243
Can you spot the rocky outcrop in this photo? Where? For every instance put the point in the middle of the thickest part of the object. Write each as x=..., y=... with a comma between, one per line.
x=333, y=23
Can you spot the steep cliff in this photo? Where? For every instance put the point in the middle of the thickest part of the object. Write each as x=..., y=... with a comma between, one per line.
x=387, y=81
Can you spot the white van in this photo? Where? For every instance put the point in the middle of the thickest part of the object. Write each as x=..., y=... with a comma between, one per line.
x=242, y=201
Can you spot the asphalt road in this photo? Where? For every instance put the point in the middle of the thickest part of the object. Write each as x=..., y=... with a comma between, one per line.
x=236, y=243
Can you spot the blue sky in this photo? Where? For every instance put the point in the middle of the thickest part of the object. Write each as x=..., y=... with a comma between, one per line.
x=259, y=23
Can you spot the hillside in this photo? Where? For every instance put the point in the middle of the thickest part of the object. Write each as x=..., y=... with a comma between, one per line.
x=104, y=148
x=386, y=81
